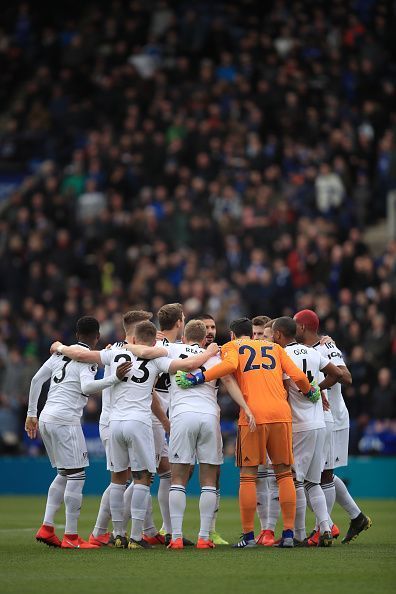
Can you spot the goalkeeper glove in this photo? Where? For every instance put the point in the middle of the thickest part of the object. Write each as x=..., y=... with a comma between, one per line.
x=187, y=380
x=314, y=393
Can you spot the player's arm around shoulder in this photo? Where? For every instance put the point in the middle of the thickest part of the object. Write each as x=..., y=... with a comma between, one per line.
x=76, y=353
x=195, y=361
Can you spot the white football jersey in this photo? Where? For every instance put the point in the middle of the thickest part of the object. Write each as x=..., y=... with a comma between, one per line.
x=202, y=398
x=65, y=400
x=334, y=394
x=106, y=393
x=132, y=398
x=162, y=386
x=306, y=415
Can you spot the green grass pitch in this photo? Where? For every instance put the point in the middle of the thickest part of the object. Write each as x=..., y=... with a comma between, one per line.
x=365, y=566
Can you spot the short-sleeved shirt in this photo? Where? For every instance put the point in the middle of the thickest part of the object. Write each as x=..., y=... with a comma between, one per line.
x=132, y=398
x=202, y=398
x=334, y=394
x=258, y=367
x=65, y=401
x=306, y=415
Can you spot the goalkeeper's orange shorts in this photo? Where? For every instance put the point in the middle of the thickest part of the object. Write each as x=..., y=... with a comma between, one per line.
x=274, y=439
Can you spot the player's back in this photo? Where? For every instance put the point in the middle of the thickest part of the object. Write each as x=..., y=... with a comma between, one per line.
x=131, y=398
x=162, y=385
x=306, y=415
x=65, y=401
x=106, y=392
x=260, y=378
x=334, y=394
x=202, y=398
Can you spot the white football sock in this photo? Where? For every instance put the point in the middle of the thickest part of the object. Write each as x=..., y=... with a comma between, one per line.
x=344, y=498
x=55, y=498
x=301, y=508
x=262, y=498
x=104, y=515
x=139, y=504
x=163, y=501
x=117, y=508
x=127, y=506
x=177, y=506
x=73, y=500
x=207, y=508
x=149, y=528
x=330, y=494
x=214, y=518
x=319, y=506
x=273, y=507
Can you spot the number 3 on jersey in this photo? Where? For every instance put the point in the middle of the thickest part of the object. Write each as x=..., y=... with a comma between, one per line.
x=267, y=360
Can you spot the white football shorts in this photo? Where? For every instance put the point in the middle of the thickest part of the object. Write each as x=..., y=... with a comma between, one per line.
x=65, y=445
x=328, y=445
x=308, y=450
x=195, y=434
x=160, y=443
x=132, y=445
x=104, y=433
x=340, y=448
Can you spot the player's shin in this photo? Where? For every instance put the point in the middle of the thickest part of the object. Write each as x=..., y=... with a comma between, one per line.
x=127, y=506
x=55, y=498
x=287, y=498
x=247, y=502
x=330, y=493
x=139, y=504
x=207, y=507
x=163, y=501
x=344, y=499
x=117, y=508
x=73, y=500
x=263, y=495
x=319, y=506
x=104, y=515
x=273, y=503
x=301, y=507
x=149, y=528
x=177, y=506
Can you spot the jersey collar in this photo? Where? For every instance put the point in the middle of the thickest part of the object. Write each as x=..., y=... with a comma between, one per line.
x=195, y=344
x=316, y=344
x=292, y=343
x=83, y=344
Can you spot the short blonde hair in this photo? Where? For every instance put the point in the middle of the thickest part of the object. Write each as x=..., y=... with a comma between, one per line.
x=195, y=331
x=145, y=332
x=131, y=318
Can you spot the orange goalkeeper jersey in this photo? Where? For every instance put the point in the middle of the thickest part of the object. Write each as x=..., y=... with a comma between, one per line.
x=258, y=367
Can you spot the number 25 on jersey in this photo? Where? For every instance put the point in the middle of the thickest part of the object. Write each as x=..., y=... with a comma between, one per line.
x=264, y=361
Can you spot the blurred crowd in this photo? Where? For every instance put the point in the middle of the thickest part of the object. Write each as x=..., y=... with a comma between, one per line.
x=227, y=155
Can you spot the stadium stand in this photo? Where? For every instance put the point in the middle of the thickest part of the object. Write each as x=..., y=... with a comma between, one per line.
x=228, y=155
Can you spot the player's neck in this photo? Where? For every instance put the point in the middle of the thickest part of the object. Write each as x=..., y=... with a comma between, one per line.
x=170, y=335
x=311, y=339
x=84, y=341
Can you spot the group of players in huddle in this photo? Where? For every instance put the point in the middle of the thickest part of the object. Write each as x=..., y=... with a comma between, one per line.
x=293, y=429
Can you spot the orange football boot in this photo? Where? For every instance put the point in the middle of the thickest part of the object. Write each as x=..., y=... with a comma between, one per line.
x=46, y=534
x=73, y=541
x=205, y=544
x=157, y=539
x=266, y=538
x=101, y=541
x=176, y=544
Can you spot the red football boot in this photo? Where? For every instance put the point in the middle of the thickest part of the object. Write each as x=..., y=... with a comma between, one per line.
x=101, y=541
x=157, y=539
x=266, y=538
x=73, y=541
x=47, y=535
